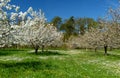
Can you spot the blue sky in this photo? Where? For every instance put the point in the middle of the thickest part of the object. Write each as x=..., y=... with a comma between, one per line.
x=67, y=8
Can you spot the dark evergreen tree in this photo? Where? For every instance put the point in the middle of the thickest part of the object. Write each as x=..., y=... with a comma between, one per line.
x=57, y=21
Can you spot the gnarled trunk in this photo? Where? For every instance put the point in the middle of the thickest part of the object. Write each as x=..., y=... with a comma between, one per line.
x=95, y=49
x=36, y=49
x=105, y=49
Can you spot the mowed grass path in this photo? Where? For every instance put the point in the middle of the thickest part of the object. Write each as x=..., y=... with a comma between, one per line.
x=23, y=63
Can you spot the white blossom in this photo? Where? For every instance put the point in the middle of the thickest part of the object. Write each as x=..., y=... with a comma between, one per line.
x=30, y=10
x=22, y=15
x=35, y=31
x=13, y=16
x=6, y=36
x=17, y=8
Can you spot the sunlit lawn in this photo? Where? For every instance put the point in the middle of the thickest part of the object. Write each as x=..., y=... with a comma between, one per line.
x=23, y=63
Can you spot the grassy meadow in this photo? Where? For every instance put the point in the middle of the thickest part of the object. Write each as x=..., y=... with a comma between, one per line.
x=24, y=63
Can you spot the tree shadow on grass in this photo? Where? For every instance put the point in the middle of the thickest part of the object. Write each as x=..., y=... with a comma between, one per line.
x=109, y=55
x=114, y=56
x=12, y=50
x=48, y=53
x=5, y=52
x=28, y=65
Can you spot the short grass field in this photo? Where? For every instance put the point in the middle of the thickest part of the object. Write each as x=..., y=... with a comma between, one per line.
x=23, y=63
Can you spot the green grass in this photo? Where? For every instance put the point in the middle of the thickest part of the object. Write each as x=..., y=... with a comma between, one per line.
x=23, y=63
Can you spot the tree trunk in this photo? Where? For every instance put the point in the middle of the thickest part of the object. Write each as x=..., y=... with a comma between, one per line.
x=36, y=49
x=105, y=49
x=43, y=48
x=95, y=49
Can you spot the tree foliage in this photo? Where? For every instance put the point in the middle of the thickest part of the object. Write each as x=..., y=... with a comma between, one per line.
x=57, y=21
